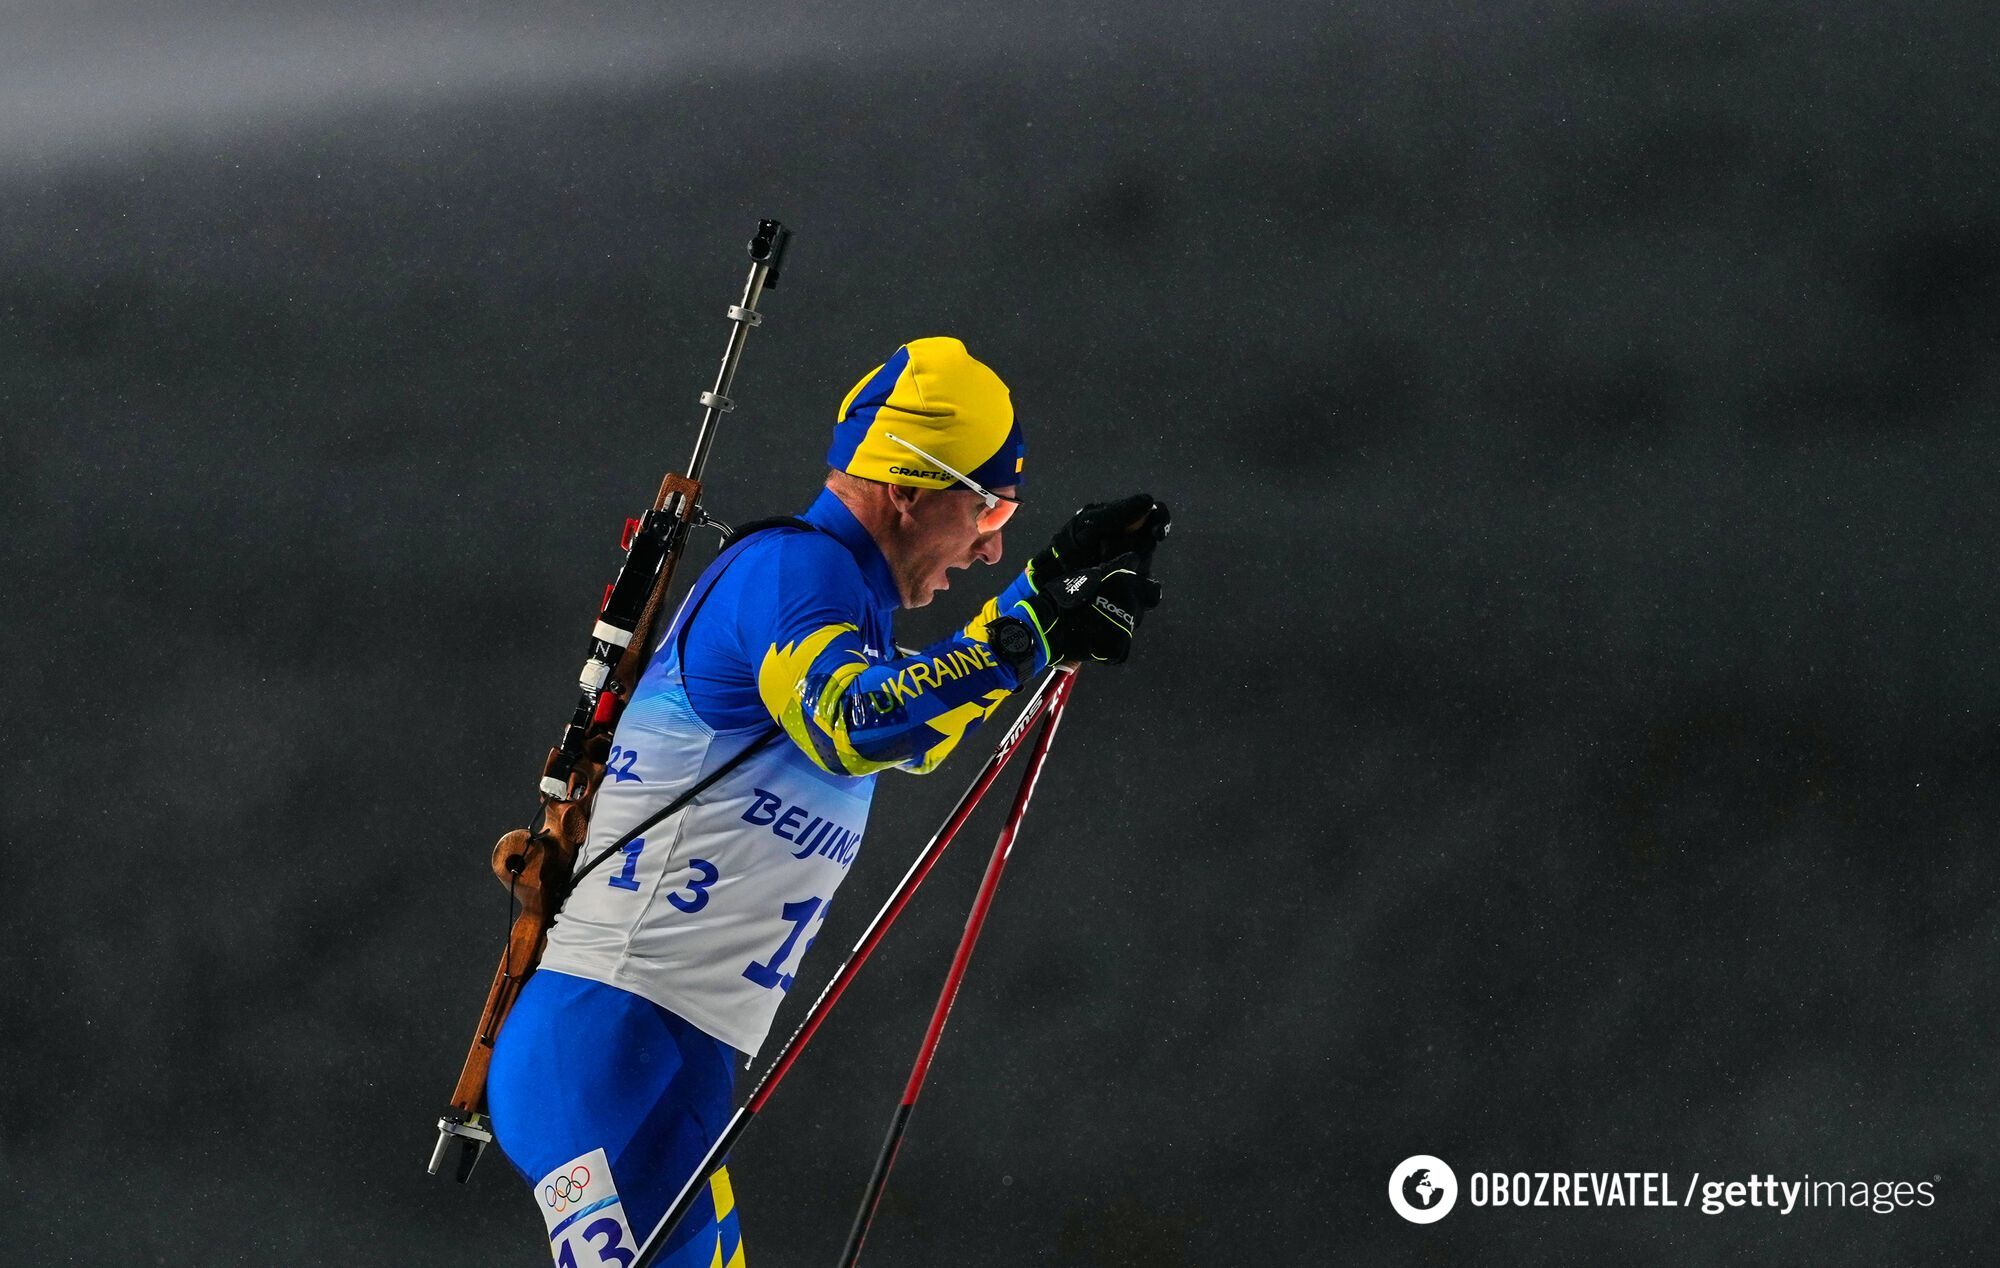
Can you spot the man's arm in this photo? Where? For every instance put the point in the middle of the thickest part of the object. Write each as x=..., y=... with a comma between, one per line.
x=854, y=716
x=791, y=613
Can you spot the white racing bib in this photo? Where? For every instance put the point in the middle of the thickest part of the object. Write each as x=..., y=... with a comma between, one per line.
x=586, y=1221
x=709, y=913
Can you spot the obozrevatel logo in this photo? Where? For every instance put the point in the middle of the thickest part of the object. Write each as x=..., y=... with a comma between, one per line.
x=1422, y=1189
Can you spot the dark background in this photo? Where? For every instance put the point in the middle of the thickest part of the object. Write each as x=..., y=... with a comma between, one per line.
x=1568, y=742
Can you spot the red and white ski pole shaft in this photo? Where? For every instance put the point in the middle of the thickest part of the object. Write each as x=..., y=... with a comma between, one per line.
x=974, y=922
x=1053, y=688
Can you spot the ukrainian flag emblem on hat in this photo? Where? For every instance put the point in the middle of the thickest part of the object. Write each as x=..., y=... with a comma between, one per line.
x=935, y=395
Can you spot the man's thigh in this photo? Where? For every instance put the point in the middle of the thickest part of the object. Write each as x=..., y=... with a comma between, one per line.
x=606, y=1103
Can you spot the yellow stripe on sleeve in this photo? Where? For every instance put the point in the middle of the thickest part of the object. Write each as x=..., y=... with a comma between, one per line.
x=833, y=722
x=976, y=627
x=780, y=683
x=951, y=727
x=821, y=734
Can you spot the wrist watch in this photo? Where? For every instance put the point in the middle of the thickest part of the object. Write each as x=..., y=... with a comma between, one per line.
x=1012, y=640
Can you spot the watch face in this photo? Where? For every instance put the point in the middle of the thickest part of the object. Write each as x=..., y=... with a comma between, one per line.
x=1013, y=638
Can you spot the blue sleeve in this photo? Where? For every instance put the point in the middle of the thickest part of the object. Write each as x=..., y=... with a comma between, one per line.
x=803, y=610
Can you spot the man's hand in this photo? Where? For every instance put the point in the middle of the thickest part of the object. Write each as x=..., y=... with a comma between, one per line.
x=1102, y=531
x=1088, y=615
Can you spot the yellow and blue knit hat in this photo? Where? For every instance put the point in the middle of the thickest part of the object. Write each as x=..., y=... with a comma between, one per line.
x=933, y=394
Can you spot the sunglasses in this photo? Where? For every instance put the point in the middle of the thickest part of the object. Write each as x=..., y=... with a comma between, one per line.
x=999, y=507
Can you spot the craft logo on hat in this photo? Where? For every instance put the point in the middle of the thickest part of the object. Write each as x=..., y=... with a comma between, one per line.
x=939, y=398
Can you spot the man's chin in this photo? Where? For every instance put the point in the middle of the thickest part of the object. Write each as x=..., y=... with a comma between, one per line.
x=926, y=592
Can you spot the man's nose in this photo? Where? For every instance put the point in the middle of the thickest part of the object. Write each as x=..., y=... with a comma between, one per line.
x=988, y=549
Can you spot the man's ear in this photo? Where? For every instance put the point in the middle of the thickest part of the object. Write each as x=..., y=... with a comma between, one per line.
x=902, y=498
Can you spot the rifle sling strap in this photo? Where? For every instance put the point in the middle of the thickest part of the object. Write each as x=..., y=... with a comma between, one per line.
x=769, y=734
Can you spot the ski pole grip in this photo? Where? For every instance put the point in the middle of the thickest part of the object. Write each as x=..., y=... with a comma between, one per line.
x=768, y=248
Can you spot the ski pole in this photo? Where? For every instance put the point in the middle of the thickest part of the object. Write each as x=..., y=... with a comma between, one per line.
x=975, y=920
x=1052, y=690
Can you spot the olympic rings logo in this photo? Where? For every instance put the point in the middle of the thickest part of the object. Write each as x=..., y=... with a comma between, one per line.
x=566, y=1189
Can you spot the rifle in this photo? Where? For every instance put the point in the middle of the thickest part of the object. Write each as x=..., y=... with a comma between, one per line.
x=536, y=863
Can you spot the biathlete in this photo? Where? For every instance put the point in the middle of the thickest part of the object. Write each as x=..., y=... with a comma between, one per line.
x=615, y=1071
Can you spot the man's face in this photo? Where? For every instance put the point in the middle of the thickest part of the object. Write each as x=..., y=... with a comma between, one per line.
x=939, y=534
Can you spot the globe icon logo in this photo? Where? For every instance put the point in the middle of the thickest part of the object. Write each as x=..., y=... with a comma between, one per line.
x=1418, y=1190
x=1423, y=1189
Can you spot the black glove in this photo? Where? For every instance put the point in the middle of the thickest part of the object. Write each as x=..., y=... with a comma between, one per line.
x=1102, y=531
x=1089, y=615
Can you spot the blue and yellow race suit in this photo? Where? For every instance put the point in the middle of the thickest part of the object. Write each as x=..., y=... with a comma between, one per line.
x=785, y=642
